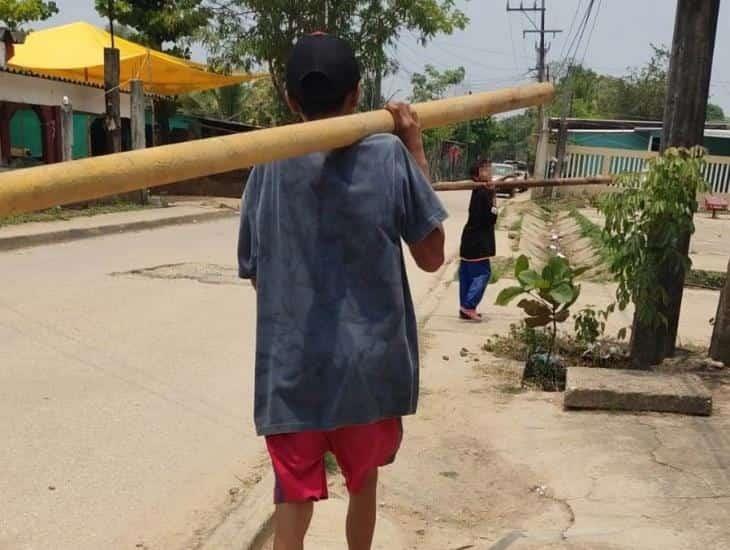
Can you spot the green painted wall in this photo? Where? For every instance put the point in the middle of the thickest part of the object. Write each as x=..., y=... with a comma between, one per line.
x=25, y=132
x=610, y=140
x=638, y=141
x=82, y=121
x=717, y=146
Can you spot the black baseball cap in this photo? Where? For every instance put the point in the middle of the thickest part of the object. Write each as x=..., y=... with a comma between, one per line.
x=323, y=65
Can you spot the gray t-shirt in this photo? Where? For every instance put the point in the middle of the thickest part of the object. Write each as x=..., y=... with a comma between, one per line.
x=336, y=340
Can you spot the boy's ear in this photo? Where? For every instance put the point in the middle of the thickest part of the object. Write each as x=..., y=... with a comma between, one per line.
x=352, y=100
x=293, y=105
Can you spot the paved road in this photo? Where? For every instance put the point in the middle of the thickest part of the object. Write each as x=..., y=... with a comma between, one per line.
x=126, y=399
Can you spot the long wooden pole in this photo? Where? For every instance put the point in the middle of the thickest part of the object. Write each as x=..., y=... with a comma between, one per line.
x=81, y=180
x=523, y=184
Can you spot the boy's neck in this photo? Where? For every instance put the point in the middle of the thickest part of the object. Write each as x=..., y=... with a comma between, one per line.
x=340, y=112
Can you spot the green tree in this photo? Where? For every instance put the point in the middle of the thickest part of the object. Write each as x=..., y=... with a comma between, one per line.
x=638, y=95
x=474, y=137
x=646, y=217
x=715, y=113
x=251, y=103
x=15, y=13
x=248, y=33
x=515, y=137
x=164, y=25
x=433, y=84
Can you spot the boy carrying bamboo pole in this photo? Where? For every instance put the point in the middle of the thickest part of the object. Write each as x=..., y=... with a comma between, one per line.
x=336, y=345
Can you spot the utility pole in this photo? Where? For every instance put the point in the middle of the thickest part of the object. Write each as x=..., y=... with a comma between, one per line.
x=542, y=50
x=688, y=86
x=111, y=90
x=67, y=129
x=138, y=124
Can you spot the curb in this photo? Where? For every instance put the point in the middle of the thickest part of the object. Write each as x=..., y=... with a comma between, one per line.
x=65, y=235
x=249, y=525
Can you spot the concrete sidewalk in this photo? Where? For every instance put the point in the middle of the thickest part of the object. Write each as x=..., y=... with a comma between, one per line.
x=181, y=211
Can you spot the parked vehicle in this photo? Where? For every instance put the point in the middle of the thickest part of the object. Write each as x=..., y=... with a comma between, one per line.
x=505, y=171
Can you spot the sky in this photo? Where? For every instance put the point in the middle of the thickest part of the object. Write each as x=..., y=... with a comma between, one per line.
x=495, y=55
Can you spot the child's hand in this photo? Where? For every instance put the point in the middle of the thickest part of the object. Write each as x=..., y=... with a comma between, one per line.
x=408, y=129
x=407, y=125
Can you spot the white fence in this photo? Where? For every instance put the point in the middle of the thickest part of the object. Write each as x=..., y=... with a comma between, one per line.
x=593, y=161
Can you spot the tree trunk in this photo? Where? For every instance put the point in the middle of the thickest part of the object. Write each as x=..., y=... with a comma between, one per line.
x=720, y=345
x=688, y=85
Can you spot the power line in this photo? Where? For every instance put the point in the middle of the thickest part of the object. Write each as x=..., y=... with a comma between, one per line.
x=542, y=49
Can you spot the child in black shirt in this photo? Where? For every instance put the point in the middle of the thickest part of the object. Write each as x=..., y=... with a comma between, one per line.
x=477, y=245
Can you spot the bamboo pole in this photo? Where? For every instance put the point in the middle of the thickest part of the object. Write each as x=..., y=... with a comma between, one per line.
x=522, y=184
x=82, y=180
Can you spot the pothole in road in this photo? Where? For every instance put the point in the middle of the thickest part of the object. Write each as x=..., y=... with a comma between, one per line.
x=212, y=274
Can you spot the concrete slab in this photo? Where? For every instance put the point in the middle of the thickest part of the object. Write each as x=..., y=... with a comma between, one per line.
x=630, y=390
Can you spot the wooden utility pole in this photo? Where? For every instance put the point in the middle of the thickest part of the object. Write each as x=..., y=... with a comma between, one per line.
x=688, y=86
x=720, y=346
x=542, y=49
x=111, y=90
x=138, y=123
x=67, y=130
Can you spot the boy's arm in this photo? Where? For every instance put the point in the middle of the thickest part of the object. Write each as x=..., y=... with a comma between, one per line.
x=247, y=240
x=428, y=251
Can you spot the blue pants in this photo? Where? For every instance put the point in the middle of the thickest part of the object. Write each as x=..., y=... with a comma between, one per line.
x=473, y=280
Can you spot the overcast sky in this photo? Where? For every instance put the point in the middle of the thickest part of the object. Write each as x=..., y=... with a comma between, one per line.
x=494, y=53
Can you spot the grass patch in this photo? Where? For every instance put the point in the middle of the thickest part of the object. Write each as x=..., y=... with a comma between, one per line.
x=60, y=213
x=712, y=280
x=593, y=232
x=516, y=225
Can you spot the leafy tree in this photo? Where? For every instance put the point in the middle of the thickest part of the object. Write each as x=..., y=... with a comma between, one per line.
x=164, y=25
x=715, y=112
x=433, y=84
x=251, y=103
x=247, y=33
x=15, y=13
x=639, y=95
x=646, y=218
x=477, y=135
x=515, y=137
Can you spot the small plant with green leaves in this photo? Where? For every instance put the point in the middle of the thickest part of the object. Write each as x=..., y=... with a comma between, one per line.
x=590, y=323
x=547, y=299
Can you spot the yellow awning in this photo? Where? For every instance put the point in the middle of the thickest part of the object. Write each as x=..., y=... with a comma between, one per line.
x=76, y=52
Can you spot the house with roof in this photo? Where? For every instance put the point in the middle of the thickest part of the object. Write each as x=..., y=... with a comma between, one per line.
x=42, y=70
x=609, y=147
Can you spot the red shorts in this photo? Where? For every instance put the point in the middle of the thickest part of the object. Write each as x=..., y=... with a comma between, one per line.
x=298, y=458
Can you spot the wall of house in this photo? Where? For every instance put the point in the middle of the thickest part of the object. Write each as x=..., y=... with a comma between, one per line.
x=31, y=90
x=610, y=140
x=25, y=133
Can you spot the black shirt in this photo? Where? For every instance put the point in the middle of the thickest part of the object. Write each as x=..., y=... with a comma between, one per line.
x=477, y=239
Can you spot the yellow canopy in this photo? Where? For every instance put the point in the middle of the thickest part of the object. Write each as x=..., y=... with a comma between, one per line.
x=76, y=52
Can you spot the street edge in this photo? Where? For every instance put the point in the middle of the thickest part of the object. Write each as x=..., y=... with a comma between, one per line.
x=66, y=235
x=248, y=526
